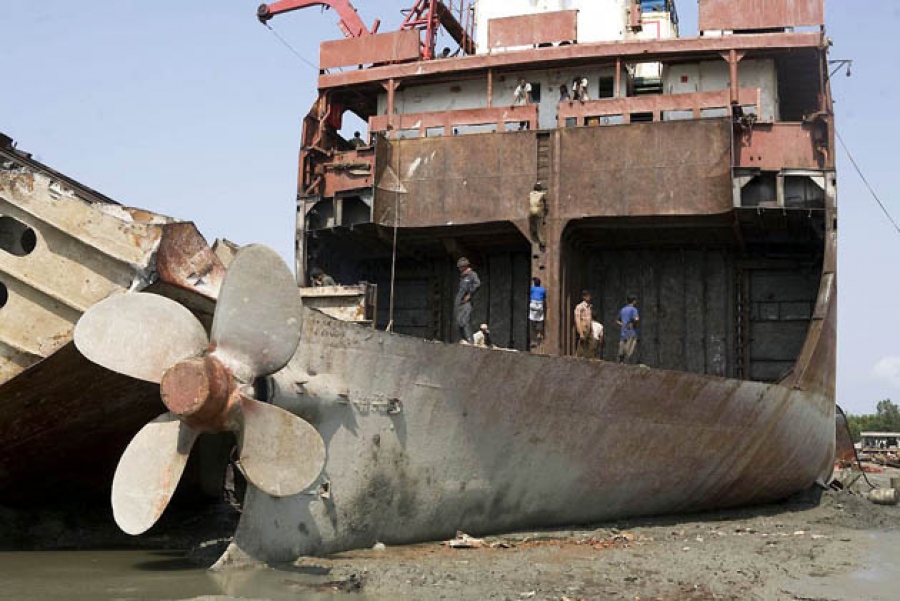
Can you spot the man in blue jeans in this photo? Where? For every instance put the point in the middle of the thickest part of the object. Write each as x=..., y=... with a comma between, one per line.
x=536, y=306
x=628, y=321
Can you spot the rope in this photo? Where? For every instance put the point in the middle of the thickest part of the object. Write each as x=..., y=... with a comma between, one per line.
x=291, y=48
x=866, y=182
x=390, y=326
x=855, y=454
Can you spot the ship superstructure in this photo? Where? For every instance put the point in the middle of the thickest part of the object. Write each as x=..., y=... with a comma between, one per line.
x=699, y=176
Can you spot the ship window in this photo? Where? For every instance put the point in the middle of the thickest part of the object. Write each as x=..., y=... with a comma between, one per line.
x=16, y=238
x=535, y=93
x=641, y=117
x=607, y=87
x=4, y=295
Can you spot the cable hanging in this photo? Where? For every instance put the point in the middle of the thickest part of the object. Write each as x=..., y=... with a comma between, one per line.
x=291, y=48
x=866, y=182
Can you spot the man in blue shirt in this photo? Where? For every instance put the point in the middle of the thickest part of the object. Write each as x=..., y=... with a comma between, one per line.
x=628, y=321
x=536, y=312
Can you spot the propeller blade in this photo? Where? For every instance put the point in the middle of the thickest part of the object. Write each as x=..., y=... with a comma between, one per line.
x=281, y=454
x=149, y=471
x=139, y=335
x=256, y=327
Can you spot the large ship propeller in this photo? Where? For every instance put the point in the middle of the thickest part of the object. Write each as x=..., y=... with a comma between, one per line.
x=206, y=383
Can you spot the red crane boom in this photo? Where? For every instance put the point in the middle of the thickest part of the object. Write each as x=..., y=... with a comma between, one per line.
x=350, y=22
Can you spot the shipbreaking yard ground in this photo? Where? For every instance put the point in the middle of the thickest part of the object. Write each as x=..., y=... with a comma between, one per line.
x=839, y=546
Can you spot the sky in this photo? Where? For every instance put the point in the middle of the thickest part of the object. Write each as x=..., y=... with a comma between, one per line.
x=193, y=109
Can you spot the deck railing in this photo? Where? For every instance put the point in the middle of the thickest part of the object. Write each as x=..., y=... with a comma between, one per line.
x=421, y=124
x=699, y=104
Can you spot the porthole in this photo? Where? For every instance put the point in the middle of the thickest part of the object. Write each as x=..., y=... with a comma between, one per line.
x=4, y=295
x=16, y=238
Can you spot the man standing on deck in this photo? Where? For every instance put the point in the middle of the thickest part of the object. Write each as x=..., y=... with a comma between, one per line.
x=584, y=318
x=628, y=321
x=468, y=286
x=536, y=312
x=522, y=97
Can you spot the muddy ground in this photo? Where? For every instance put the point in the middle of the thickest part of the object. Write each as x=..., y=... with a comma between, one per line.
x=839, y=548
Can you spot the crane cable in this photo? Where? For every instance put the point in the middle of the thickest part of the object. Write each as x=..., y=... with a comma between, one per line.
x=866, y=182
x=291, y=48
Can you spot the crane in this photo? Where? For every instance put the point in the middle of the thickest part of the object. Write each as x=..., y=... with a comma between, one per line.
x=350, y=22
x=426, y=15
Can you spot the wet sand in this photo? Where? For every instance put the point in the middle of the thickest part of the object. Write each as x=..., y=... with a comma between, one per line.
x=842, y=547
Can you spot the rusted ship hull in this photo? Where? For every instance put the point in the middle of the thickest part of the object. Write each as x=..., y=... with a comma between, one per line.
x=431, y=438
x=64, y=247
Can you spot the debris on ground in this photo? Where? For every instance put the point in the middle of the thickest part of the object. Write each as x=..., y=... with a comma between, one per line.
x=797, y=549
x=464, y=541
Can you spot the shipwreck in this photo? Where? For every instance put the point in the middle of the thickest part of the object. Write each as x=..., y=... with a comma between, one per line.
x=695, y=173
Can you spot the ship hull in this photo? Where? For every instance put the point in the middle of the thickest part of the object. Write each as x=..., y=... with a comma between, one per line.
x=63, y=248
x=432, y=438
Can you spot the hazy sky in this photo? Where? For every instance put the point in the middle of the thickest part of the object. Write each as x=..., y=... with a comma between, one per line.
x=193, y=109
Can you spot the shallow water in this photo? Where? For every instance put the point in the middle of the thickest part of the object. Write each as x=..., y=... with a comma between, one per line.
x=878, y=579
x=132, y=575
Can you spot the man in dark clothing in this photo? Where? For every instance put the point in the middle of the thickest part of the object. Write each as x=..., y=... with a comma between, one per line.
x=468, y=286
x=320, y=279
x=357, y=140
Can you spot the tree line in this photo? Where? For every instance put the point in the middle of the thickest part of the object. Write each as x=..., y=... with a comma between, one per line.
x=885, y=419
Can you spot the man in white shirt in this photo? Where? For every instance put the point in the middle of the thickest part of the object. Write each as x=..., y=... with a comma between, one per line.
x=522, y=97
x=482, y=337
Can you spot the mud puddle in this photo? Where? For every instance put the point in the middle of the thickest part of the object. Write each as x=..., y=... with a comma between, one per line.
x=133, y=575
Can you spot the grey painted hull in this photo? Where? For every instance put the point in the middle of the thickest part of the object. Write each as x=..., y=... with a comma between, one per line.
x=488, y=441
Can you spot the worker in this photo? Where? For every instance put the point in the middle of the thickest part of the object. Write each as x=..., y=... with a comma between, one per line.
x=468, y=286
x=482, y=337
x=597, y=334
x=522, y=94
x=536, y=307
x=584, y=317
x=357, y=141
x=537, y=211
x=320, y=279
x=580, y=89
x=564, y=94
x=628, y=321
x=522, y=97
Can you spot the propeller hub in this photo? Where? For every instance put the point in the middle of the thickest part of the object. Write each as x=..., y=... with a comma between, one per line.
x=196, y=390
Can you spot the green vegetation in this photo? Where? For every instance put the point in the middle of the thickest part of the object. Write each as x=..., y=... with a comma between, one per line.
x=885, y=419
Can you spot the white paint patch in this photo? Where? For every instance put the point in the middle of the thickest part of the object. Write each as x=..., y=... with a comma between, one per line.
x=413, y=167
x=888, y=369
